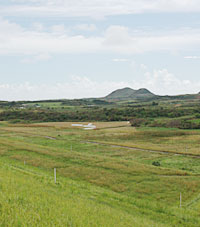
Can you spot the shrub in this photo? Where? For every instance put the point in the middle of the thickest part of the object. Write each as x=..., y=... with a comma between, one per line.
x=156, y=163
x=137, y=122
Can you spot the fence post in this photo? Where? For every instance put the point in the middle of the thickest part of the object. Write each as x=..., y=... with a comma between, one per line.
x=180, y=200
x=55, y=175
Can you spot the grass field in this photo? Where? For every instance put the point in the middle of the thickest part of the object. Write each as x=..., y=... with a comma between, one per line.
x=98, y=184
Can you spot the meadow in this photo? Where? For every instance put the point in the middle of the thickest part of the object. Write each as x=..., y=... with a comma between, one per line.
x=115, y=175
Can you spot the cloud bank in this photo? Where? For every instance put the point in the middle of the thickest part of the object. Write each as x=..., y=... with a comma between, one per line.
x=95, y=8
x=16, y=40
x=160, y=82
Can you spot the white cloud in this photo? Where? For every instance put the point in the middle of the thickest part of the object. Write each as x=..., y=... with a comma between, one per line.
x=38, y=26
x=86, y=27
x=36, y=58
x=78, y=87
x=143, y=66
x=192, y=57
x=163, y=82
x=58, y=29
x=123, y=40
x=96, y=8
x=15, y=40
x=43, y=57
x=117, y=36
x=120, y=60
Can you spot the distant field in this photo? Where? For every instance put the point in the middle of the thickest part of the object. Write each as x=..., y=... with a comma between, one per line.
x=160, y=139
x=98, y=184
x=46, y=104
x=99, y=125
x=51, y=105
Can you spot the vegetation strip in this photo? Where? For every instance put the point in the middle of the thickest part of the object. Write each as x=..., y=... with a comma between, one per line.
x=142, y=149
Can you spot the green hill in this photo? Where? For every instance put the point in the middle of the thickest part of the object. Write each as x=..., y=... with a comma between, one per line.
x=129, y=93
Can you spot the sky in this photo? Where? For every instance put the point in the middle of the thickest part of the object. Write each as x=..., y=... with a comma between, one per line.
x=52, y=49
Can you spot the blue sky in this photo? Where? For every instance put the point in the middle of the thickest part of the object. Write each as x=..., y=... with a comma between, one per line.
x=53, y=49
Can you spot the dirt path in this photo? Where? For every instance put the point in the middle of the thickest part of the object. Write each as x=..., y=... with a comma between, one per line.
x=142, y=149
x=49, y=137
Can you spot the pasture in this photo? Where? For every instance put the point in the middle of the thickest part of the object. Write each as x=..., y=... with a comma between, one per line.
x=115, y=175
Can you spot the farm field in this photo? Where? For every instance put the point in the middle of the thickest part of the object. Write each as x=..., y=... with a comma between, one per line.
x=115, y=175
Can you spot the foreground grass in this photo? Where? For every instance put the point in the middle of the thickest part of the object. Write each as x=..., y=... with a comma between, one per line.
x=30, y=198
x=97, y=185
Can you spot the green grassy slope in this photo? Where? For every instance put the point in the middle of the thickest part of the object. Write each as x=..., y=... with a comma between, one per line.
x=97, y=185
x=29, y=197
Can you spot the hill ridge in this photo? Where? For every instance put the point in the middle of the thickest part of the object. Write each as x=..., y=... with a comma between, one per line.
x=129, y=93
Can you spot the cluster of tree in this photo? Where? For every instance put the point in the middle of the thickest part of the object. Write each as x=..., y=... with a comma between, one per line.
x=183, y=124
x=58, y=116
x=171, y=123
x=8, y=104
x=140, y=116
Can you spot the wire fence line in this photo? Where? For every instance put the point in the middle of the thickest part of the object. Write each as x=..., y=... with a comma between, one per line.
x=193, y=201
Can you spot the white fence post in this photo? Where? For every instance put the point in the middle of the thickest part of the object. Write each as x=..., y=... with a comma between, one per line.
x=180, y=200
x=55, y=175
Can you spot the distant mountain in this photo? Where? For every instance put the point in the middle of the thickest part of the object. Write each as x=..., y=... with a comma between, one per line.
x=129, y=93
x=143, y=93
x=121, y=93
